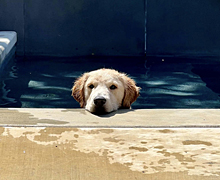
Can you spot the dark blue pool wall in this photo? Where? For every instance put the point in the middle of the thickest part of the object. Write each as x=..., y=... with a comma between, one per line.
x=113, y=27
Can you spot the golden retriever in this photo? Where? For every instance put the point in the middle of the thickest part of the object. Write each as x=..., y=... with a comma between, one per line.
x=105, y=90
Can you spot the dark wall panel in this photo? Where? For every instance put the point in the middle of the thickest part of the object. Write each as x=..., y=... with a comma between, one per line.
x=11, y=19
x=113, y=27
x=187, y=27
x=75, y=27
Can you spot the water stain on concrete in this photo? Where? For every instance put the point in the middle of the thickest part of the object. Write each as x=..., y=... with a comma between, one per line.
x=15, y=117
x=68, y=152
x=188, y=142
x=141, y=149
x=113, y=140
x=166, y=131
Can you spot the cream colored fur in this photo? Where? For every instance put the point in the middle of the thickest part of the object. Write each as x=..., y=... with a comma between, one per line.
x=118, y=90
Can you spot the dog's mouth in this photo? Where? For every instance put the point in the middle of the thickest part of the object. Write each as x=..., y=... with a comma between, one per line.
x=99, y=111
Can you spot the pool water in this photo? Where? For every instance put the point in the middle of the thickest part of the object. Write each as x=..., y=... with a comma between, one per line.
x=165, y=83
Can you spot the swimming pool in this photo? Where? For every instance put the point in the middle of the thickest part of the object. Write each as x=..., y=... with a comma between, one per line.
x=165, y=82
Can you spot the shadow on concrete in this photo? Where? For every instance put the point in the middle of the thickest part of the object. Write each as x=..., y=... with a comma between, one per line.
x=120, y=111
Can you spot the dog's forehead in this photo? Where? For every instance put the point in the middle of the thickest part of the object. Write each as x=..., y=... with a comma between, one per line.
x=104, y=75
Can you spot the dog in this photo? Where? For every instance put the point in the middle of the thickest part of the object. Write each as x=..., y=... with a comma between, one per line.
x=105, y=90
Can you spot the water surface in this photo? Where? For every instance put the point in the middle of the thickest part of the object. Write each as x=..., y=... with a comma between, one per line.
x=165, y=83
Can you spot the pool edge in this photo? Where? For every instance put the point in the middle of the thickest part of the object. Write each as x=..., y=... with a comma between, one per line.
x=141, y=118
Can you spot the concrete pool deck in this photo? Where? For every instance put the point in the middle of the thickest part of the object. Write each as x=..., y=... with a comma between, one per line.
x=164, y=144
x=142, y=118
x=8, y=40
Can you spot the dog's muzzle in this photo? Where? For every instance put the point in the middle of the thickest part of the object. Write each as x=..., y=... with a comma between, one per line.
x=99, y=102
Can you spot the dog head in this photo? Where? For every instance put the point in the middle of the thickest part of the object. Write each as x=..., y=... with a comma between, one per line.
x=105, y=90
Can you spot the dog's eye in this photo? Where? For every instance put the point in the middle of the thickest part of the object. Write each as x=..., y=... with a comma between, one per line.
x=91, y=86
x=113, y=87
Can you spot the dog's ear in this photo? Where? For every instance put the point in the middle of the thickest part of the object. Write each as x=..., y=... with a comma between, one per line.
x=78, y=89
x=131, y=92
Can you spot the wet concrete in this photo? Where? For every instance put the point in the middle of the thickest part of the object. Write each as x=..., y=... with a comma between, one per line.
x=165, y=82
x=84, y=153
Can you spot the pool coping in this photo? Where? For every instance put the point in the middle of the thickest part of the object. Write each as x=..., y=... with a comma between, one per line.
x=80, y=118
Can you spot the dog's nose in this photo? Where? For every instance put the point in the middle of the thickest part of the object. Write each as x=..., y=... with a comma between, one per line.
x=99, y=101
